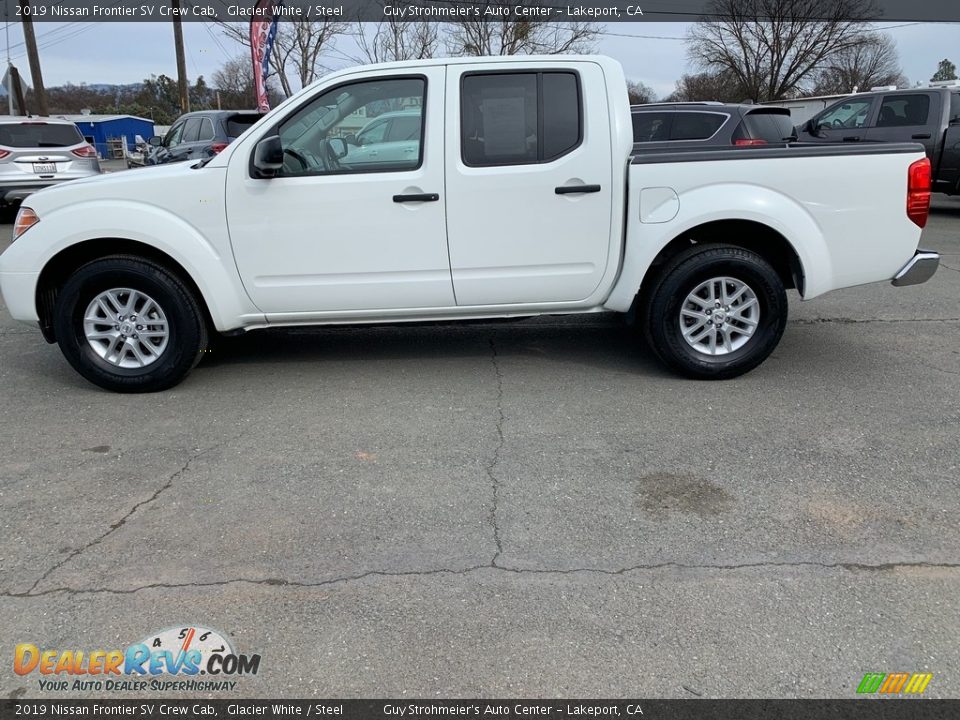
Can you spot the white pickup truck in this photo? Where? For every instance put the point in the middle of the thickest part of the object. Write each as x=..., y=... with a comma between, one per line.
x=517, y=196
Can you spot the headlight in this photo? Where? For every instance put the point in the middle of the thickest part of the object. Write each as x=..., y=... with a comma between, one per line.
x=26, y=219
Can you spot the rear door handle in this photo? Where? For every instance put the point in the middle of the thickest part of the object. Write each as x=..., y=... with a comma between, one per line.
x=418, y=197
x=921, y=136
x=575, y=189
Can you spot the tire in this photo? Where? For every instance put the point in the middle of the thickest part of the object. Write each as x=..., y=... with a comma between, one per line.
x=174, y=331
x=732, y=341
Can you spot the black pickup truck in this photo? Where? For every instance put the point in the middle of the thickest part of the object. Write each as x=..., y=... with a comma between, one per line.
x=930, y=116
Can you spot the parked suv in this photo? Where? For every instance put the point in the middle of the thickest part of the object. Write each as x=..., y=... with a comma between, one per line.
x=390, y=137
x=199, y=135
x=659, y=125
x=35, y=154
x=930, y=116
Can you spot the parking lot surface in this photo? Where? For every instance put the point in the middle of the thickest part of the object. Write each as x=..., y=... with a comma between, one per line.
x=525, y=509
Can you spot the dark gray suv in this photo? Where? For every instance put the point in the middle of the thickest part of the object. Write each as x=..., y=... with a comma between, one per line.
x=709, y=124
x=199, y=135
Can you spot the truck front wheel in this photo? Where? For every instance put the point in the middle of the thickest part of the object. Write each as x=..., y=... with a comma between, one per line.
x=715, y=312
x=129, y=325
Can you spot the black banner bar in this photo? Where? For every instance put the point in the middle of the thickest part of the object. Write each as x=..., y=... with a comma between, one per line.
x=404, y=709
x=458, y=10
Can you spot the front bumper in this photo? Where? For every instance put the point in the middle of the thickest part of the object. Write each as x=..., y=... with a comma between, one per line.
x=921, y=268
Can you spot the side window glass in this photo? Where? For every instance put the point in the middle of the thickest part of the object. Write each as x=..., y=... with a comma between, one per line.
x=501, y=122
x=561, y=114
x=651, y=127
x=853, y=114
x=404, y=127
x=696, y=126
x=955, y=107
x=372, y=133
x=206, y=130
x=901, y=110
x=334, y=133
x=191, y=130
x=173, y=135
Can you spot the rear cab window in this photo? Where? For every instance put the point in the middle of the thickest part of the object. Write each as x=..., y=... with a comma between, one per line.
x=39, y=135
x=904, y=110
x=516, y=118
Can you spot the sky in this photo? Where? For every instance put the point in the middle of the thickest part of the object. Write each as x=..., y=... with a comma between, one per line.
x=129, y=52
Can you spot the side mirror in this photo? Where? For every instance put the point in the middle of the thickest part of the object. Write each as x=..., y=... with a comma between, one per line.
x=351, y=139
x=156, y=141
x=338, y=146
x=268, y=156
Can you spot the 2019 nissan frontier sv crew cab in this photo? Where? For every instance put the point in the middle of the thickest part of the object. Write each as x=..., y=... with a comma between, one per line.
x=521, y=197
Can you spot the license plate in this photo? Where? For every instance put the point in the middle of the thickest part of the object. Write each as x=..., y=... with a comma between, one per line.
x=44, y=168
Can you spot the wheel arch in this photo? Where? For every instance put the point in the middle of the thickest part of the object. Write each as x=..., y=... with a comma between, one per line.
x=64, y=263
x=751, y=235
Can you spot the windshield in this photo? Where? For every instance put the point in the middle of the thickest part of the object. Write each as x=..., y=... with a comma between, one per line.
x=39, y=135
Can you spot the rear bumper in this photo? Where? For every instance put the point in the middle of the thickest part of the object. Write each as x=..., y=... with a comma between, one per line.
x=11, y=195
x=921, y=268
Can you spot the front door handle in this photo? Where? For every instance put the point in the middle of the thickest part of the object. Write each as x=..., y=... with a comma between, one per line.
x=921, y=136
x=575, y=189
x=417, y=197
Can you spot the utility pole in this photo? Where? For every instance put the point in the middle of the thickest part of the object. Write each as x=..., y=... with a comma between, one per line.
x=6, y=14
x=181, y=61
x=30, y=40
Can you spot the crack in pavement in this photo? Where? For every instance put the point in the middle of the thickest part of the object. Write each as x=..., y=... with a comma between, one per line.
x=859, y=321
x=281, y=582
x=495, y=458
x=122, y=521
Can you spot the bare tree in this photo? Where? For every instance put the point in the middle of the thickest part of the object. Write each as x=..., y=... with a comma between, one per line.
x=393, y=39
x=640, y=93
x=234, y=82
x=723, y=86
x=498, y=33
x=297, y=49
x=867, y=64
x=773, y=47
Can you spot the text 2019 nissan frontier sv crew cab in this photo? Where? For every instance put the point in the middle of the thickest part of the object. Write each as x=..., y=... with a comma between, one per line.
x=519, y=196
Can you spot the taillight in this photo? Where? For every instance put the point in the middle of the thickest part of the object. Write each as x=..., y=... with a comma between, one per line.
x=87, y=151
x=217, y=147
x=26, y=219
x=4, y=153
x=745, y=142
x=918, y=191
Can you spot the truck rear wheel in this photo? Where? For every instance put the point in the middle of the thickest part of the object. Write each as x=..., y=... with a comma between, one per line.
x=129, y=325
x=715, y=312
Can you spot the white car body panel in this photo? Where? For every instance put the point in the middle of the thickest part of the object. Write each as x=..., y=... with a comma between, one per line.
x=500, y=243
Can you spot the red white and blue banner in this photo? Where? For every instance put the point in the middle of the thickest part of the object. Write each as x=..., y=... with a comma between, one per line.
x=263, y=30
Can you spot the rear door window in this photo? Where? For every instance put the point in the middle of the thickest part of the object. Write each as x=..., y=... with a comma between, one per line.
x=206, y=130
x=26, y=135
x=404, y=128
x=519, y=118
x=696, y=126
x=651, y=126
x=191, y=130
x=904, y=110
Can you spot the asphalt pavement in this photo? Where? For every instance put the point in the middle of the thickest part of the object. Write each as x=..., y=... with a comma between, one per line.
x=525, y=509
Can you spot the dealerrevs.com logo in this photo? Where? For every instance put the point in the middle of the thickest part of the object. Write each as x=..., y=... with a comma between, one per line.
x=186, y=653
